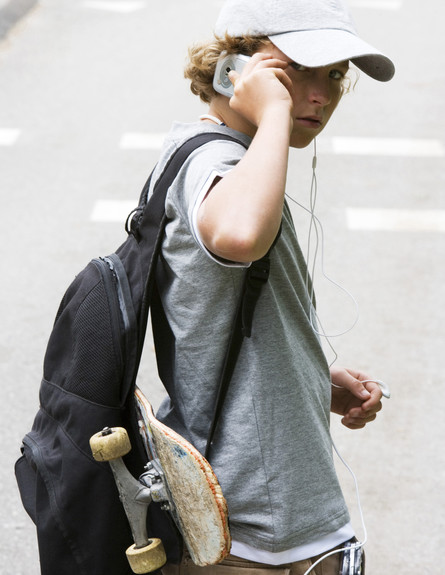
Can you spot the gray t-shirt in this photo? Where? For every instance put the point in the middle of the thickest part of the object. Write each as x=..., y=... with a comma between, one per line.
x=272, y=451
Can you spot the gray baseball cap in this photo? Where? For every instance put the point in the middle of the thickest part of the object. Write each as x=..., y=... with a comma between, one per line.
x=311, y=32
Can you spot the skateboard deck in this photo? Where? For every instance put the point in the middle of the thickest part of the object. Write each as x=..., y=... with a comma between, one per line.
x=196, y=500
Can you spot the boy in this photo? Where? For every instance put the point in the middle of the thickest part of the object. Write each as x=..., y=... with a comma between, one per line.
x=272, y=449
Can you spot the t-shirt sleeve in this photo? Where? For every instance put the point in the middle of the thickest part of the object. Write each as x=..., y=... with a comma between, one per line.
x=204, y=167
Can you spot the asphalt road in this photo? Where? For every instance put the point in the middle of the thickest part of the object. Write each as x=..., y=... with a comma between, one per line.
x=87, y=87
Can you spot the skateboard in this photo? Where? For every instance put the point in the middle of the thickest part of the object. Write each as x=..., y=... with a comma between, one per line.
x=178, y=477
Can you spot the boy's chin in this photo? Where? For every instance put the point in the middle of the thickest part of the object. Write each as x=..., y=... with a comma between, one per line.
x=301, y=141
x=300, y=145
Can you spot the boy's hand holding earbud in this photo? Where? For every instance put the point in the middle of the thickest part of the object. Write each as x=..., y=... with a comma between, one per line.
x=358, y=402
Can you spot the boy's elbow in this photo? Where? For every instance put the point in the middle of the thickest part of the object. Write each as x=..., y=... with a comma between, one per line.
x=240, y=246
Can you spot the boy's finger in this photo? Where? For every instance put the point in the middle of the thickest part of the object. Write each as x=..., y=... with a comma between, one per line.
x=284, y=79
x=233, y=76
x=272, y=63
x=356, y=387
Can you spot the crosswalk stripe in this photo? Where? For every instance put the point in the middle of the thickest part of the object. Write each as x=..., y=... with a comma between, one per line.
x=112, y=210
x=370, y=219
x=377, y=4
x=123, y=7
x=142, y=141
x=403, y=147
x=8, y=136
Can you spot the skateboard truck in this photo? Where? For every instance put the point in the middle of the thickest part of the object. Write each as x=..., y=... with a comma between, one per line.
x=153, y=479
x=111, y=444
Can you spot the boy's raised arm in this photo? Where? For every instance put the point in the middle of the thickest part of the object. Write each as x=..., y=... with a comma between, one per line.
x=240, y=217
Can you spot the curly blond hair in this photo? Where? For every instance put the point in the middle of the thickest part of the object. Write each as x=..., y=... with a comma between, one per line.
x=203, y=57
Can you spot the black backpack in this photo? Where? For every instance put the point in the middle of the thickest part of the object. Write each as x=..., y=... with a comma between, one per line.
x=89, y=376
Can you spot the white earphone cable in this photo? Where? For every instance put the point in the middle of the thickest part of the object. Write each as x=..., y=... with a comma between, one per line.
x=315, y=227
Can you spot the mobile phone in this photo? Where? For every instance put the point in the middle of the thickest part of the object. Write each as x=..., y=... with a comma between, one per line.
x=225, y=64
x=352, y=560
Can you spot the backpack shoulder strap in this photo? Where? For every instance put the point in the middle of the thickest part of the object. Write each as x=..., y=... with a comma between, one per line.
x=256, y=276
x=149, y=220
x=176, y=161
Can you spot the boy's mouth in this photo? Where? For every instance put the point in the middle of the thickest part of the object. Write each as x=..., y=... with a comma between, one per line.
x=310, y=121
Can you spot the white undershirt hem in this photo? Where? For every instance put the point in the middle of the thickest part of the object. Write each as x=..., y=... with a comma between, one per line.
x=299, y=553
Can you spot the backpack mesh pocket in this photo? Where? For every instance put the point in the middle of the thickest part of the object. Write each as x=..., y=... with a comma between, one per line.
x=96, y=354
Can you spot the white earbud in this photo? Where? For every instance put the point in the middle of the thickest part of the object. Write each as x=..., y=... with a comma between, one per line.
x=383, y=386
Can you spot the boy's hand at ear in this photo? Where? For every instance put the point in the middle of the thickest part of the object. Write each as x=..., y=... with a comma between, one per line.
x=358, y=402
x=262, y=88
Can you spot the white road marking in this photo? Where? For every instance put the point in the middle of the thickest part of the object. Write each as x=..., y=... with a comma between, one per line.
x=123, y=7
x=358, y=219
x=403, y=147
x=377, y=4
x=8, y=136
x=112, y=210
x=142, y=141
x=368, y=219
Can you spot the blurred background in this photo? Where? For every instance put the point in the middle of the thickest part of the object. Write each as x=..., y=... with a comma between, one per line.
x=87, y=90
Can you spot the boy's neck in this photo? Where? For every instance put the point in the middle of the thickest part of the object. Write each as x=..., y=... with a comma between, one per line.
x=220, y=109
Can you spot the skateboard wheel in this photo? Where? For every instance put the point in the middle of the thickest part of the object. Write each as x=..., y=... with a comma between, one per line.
x=110, y=444
x=148, y=558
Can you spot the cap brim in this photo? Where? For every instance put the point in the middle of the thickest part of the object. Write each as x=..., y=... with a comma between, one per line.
x=315, y=48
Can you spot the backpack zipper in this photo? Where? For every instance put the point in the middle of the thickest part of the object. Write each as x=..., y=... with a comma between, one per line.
x=123, y=304
x=117, y=286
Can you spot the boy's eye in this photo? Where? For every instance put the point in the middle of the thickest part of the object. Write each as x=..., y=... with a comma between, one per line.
x=297, y=66
x=336, y=74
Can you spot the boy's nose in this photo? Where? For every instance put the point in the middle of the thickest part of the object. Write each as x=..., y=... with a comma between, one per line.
x=320, y=91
